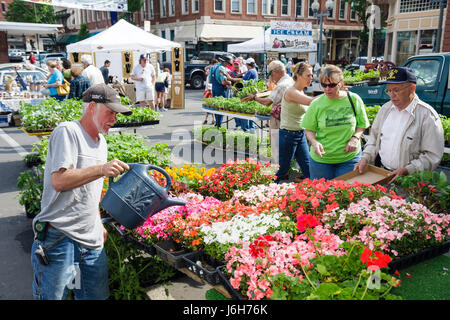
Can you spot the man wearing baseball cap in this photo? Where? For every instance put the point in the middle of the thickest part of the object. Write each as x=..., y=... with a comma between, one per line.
x=219, y=79
x=68, y=249
x=144, y=76
x=406, y=135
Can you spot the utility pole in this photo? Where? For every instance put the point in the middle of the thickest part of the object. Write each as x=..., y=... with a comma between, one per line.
x=437, y=45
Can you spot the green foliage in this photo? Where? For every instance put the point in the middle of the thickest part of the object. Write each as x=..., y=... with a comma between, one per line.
x=250, y=87
x=83, y=33
x=133, y=148
x=372, y=112
x=139, y=115
x=236, y=105
x=446, y=126
x=130, y=271
x=334, y=278
x=430, y=188
x=359, y=75
x=20, y=11
x=31, y=186
x=233, y=140
x=48, y=113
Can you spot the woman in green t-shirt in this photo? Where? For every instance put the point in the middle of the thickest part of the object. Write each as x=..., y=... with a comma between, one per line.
x=334, y=127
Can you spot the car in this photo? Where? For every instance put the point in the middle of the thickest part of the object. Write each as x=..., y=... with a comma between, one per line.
x=360, y=63
x=26, y=72
x=42, y=58
x=16, y=52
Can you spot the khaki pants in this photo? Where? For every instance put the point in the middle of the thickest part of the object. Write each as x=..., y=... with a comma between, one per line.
x=274, y=126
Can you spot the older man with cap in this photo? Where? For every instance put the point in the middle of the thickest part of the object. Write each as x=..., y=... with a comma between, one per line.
x=145, y=77
x=277, y=75
x=219, y=79
x=91, y=72
x=68, y=249
x=407, y=134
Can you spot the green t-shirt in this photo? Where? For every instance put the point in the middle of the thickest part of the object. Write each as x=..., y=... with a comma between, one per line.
x=335, y=123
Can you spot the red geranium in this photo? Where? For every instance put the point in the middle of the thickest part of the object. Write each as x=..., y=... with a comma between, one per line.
x=306, y=221
x=380, y=260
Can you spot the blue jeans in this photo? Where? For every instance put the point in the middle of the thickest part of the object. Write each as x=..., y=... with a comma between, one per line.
x=292, y=144
x=330, y=171
x=53, y=281
x=247, y=124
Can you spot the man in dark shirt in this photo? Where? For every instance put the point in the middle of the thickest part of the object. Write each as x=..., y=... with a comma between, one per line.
x=79, y=83
x=105, y=70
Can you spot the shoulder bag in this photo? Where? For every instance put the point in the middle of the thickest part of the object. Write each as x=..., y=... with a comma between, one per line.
x=351, y=102
x=63, y=89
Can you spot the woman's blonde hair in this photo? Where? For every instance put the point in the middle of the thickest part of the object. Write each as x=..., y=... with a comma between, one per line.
x=333, y=74
x=51, y=64
x=299, y=68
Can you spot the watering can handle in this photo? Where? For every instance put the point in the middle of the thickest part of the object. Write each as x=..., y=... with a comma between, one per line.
x=147, y=168
x=165, y=174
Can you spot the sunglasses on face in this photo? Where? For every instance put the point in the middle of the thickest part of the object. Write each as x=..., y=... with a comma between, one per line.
x=330, y=85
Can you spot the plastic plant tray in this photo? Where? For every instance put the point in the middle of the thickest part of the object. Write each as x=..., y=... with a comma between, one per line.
x=235, y=295
x=172, y=253
x=425, y=254
x=198, y=265
x=148, y=248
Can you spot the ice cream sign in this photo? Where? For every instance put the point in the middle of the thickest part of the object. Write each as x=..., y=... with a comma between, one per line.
x=291, y=36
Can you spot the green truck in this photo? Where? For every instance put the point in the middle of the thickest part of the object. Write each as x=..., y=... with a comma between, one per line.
x=433, y=83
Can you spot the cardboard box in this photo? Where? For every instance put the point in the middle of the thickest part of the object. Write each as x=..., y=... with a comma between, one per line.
x=371, y=175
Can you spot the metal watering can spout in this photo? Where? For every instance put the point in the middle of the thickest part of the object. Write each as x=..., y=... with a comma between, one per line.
x=136, y=196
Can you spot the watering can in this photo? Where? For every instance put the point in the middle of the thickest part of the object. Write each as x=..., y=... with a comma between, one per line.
x=136, y=196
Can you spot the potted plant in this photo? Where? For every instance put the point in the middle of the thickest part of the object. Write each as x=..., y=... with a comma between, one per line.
x=31, y=186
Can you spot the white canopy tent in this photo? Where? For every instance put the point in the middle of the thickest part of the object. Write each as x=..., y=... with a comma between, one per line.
x=122, y=36
x=262, y=44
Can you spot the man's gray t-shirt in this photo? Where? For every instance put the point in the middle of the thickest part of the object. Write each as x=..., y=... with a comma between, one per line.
x=74, y=212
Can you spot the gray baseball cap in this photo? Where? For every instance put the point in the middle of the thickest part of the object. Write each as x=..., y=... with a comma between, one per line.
x=102, y=93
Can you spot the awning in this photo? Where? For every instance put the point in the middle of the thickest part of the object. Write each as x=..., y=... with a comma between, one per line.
x=28, y=29
x=217, y=33
x=71, y=38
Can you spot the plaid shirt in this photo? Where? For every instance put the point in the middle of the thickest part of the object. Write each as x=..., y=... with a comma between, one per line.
x=78, y=86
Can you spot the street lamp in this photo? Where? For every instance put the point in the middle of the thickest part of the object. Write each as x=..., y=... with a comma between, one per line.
x=315, y=8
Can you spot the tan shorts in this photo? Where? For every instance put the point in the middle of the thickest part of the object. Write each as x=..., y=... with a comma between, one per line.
x=144, y=95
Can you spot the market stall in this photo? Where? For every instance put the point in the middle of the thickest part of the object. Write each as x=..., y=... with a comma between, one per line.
x=122, y=44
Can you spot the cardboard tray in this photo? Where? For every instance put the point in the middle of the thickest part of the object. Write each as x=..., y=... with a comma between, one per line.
x=371, y=175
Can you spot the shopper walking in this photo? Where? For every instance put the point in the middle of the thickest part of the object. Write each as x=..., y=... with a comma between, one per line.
x=79, y=84
x=161, y=85
x=144, y=76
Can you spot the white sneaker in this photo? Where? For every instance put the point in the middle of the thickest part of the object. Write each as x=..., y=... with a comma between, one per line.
x=162, y=109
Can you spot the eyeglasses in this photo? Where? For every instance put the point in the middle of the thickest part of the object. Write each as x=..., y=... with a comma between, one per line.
x=330, y=85
x=395, y=90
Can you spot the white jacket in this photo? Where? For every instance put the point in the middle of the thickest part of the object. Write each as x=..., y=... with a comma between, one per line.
x=422, y=145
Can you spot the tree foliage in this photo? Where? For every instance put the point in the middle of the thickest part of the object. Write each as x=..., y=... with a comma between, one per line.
x=21, y=11
x=83, y=33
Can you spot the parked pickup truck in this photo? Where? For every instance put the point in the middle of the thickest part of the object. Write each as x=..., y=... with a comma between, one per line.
x=194, y=70
x=433, y=83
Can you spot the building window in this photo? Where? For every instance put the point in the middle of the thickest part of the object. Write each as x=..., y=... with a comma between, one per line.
x=299, y=8
x=172, y=34
x=331, y=13
x=406, y=45
x=163, y=8
x=88, y=16
x=285, y=5
x=151, y=13
x=418, y=5
x=163, y=55
x=219, y=5
x=171, y=8
x=251, y=6
x=195, y=6
x=3, y=7
x=235, y=6
x=268, y=7
x=352, y=11
x=342, y=10
x=310, y=11
x=184, y=6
